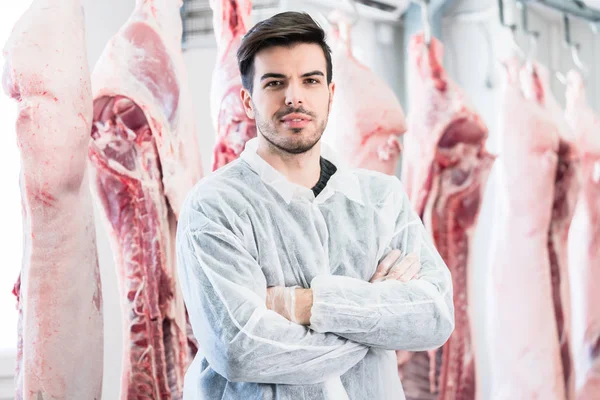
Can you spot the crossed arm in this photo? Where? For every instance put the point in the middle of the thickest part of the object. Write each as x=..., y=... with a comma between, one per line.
x=406, y=306
x=243, y=340
x=295, y=304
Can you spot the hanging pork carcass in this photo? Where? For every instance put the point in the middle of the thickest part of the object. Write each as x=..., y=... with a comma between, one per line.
x=146, y=158
x=366, y=119
x=231, y=21
x=60, y=329
x=445, y=170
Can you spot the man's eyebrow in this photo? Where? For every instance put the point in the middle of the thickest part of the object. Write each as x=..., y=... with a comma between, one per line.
x=272, y=75
x=311, y=73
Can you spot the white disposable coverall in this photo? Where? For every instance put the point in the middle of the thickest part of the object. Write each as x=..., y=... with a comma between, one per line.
x=245, y=227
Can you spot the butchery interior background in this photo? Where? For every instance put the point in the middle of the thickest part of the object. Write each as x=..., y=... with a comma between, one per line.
x=493, y=262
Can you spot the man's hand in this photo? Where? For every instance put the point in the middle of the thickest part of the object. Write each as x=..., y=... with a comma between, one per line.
x=393, y=266
x=292, y=303
x=406, y=269
x=386, y=264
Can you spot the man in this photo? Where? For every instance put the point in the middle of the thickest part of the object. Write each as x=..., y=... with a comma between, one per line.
x=279, y=251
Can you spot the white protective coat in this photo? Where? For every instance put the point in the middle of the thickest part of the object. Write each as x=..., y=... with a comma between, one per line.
x=246, y=228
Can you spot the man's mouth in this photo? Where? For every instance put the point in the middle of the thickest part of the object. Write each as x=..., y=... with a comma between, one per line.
x=295, y=120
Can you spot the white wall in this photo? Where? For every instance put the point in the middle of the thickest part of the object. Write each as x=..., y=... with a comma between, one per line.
x=466, y=59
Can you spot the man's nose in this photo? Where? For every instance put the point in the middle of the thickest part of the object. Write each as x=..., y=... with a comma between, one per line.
x=293, y=95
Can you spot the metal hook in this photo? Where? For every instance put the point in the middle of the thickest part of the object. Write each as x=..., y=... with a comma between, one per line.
x=533, y=35
x=577, y=60
x=525, y=20
x=574, y=47
x=425, y=20
x=489, y=81
x=512, y=28
x=424, y=4
x=567, y=28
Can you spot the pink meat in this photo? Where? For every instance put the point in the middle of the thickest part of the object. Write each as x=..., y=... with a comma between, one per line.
x=146, y=158
x=584, y=244
x=566, y=189
x=231, y=21
x=446, y=168
x=60, y=340
x=522, y=325
x=366, y=119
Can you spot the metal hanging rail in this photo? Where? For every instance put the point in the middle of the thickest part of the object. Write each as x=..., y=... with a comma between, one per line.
x=575, y=8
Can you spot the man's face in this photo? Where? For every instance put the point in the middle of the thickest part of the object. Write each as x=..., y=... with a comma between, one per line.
x=291, y=99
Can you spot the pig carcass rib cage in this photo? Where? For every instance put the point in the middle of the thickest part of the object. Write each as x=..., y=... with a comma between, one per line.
x=146, y=158
x=445, y=170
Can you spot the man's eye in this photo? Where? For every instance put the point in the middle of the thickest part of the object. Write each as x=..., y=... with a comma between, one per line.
x=273, y=83
x=312, y=81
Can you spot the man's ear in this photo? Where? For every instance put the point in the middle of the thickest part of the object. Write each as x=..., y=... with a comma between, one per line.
x=331, y=92
x=247, y=102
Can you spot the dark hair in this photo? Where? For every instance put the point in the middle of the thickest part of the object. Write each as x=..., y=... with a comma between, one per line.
x=283, y=29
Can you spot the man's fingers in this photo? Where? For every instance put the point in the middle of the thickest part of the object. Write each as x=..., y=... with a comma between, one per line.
x=386, y=264
x=389, y=260
x=397, y=273
x=408, y=263
x=411, y=272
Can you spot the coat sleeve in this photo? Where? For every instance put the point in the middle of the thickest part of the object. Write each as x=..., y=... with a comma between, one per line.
x=415, y=315
x=224, y=290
